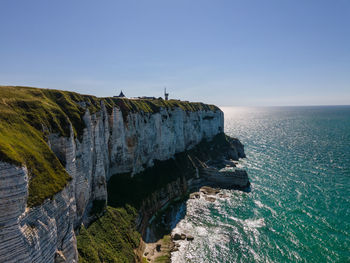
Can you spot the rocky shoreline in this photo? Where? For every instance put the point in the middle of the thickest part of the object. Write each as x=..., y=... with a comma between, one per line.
x=163, y=248
x=208, y=186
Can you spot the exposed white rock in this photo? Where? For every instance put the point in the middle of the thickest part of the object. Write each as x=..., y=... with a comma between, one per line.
x=108, y=146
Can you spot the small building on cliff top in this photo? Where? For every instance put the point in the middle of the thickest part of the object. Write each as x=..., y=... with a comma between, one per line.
x=121, y=95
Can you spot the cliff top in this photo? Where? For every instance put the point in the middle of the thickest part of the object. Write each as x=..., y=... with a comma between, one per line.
x=28, y=115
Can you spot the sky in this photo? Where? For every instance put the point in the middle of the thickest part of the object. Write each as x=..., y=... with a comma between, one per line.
x=224, y=52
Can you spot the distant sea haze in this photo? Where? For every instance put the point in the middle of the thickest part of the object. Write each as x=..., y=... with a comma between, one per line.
x=298, y=160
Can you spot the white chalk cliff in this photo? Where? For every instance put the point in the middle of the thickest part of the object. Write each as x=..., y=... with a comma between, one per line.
x=109, y=146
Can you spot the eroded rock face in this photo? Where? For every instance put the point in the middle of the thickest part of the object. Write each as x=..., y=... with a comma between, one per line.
x=13, y=192
x=109, y=145
x=36, y=234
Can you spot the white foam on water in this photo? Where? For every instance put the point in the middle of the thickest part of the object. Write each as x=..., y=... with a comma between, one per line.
x=255, y=223
x=201, y=231
x=258, y=203
x=261, y=205
x=206, y=237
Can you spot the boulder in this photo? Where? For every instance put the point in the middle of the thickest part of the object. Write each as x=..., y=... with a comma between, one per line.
x=195, y=195
x=209, y=190
x=210, y=199
x=176, y=236
x=190, y=238
x=174, y=249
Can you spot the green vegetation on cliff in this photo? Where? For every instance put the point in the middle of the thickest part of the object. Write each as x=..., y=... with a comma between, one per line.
x=154, y=105
x=29, y=115
x=112, y=238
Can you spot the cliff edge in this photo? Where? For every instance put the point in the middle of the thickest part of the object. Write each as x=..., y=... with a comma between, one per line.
x=59, y=149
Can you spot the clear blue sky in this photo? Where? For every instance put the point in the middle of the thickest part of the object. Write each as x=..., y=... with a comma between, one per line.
x=263, y=52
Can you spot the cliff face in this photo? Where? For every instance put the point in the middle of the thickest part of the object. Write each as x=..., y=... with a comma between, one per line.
x=111, y=143
x=154, y=194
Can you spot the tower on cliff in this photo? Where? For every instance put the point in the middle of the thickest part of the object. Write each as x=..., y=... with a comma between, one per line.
x=166, y=95
x=121, y=95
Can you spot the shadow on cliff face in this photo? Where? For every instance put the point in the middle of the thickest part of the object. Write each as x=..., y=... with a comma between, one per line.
x=161, y=179
x=153, y=191
x=156, y=193
x=165, y=221
x=158, y=196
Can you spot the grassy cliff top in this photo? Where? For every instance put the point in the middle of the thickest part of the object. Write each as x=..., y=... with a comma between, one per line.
x=28, y=115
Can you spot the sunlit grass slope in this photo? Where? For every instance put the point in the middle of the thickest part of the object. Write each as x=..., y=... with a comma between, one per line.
x=28, y=115
x=111, y=238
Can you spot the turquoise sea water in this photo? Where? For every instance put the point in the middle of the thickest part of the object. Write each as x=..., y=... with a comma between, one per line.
x=298, y=161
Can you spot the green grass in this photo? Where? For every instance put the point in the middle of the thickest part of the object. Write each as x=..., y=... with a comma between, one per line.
x=29, y=115
x=165, y=258
x=23, y=116
x=112, y=238
x=149, y=105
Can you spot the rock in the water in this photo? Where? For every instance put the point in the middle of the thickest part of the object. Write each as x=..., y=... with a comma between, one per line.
x=190, y=238
x=210, y=199
x=209, y=190
x=195, y=195
x=176, y=236
x=236, y=179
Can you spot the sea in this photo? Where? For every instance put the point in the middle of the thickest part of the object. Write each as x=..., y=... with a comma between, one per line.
x=298, y=210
